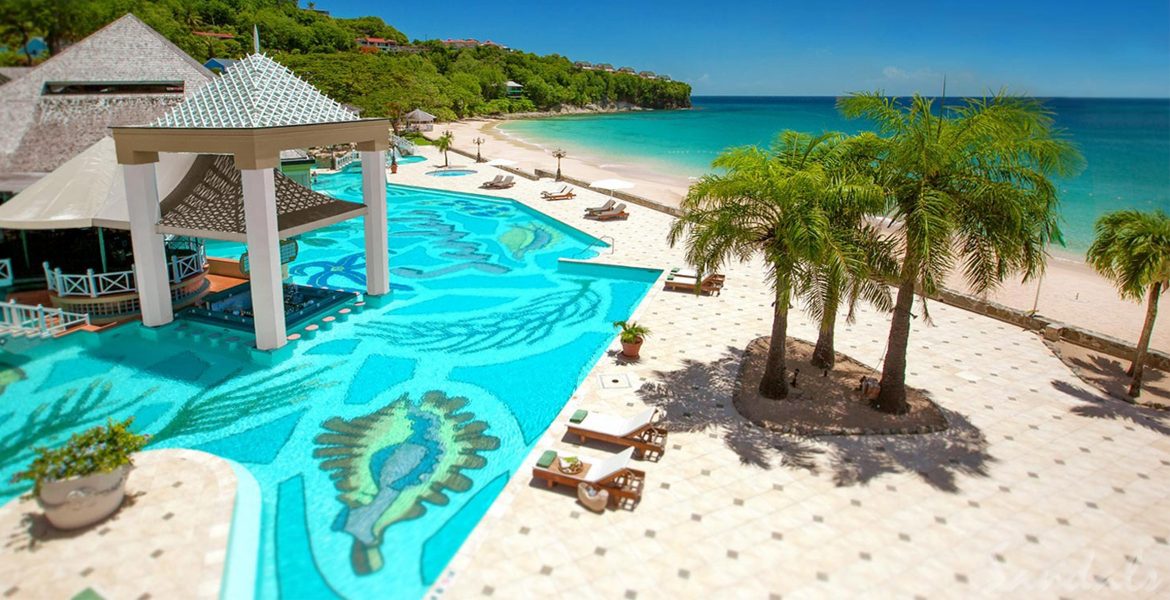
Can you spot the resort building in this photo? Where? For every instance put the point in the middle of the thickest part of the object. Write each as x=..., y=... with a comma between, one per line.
x=377, y=43
x=214, y=35
x=629, y=70
x=583, y=65
x=515, y=90
x=124, y=74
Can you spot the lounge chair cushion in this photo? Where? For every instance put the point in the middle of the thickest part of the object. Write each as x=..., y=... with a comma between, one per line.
x=578, y=416
x=546, y=460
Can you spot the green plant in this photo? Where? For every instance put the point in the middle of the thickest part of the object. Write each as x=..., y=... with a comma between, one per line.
x=1132, y=249
x=969, y=186
x=443, y=143
x=632, y=333
x=97, y=450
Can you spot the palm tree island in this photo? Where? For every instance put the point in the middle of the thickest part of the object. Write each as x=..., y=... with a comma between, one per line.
x=840, y=220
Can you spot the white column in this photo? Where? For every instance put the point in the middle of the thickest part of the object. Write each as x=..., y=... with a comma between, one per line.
x=150, y=261
x=264, y=272
x=377, y=248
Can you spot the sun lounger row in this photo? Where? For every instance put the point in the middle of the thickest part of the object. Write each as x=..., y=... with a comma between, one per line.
x=602, y=479
x=501, y=182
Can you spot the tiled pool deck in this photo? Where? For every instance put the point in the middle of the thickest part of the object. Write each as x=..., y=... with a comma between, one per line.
x=169, y=540
x=1040, y=488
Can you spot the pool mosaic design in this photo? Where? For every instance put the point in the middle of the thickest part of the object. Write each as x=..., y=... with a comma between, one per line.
x=380, y=443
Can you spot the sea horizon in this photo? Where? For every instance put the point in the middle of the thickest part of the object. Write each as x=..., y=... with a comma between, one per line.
x=1125, y=141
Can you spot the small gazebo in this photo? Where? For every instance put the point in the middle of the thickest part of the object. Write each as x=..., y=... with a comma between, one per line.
x=239, y=124
x=420, y=120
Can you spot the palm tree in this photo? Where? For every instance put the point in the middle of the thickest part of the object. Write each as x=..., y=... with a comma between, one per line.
x=1132, y=248
x=968, y=186
x=444, y=144
x=767, y=203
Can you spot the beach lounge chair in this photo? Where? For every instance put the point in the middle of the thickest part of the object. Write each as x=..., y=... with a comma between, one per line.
x=637, y=432
x=500, y=182
x=617, y=212
x=612, y=474
x=493, y=182
x=711, y=284
x=604, y=207
x=567, y=194
x=546, y=194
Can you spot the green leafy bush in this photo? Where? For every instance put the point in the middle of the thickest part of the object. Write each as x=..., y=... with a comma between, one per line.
x=632, y=332
x=97, y=450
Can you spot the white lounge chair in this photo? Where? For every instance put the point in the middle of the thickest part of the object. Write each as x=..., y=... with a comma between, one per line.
x=637, y=432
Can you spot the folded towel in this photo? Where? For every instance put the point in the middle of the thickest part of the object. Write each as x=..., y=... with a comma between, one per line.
x=546, y=459
x=578, y=416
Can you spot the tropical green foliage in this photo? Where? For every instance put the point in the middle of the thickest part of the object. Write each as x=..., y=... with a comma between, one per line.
x=97, y=450
x=765, y=202
x=631, y=332
x=443, y=143
x=447, y=82
x=1132, y=249
x=969, y=187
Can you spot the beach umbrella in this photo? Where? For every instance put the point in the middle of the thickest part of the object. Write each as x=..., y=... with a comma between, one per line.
x=611, y=185
x=501, y=162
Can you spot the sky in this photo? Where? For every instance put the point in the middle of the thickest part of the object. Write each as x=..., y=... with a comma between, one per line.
x=781, y=48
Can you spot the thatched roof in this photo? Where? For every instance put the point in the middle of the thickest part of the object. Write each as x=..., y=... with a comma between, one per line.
x=39, y=132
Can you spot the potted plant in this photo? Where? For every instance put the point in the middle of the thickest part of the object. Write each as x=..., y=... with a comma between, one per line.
x=393, y=163
x=632, y=336
x=84, y=481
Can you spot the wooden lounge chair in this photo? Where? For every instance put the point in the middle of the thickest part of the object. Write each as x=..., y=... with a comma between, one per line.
x=612, y=474
x=492, y=183
x=711, y=284
x=500, y=182
x=637, y=432
x=617, y=212
x=546, y=194
x=568, y=194
x=597, y=209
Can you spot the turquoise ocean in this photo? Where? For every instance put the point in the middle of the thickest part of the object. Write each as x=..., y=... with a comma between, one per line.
x=1126, y=144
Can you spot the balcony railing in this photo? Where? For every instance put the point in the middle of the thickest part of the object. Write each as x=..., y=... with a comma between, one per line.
x=343, y=161
x=95, y=285
x=404, y=145
x=37, y=321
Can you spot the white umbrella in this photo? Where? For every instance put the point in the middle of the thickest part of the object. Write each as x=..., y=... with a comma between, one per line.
x=611, y=185
x=501, y=162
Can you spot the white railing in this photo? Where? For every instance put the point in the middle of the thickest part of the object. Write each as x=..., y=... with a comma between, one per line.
x=118, y=282
x=343, y=161
x=5, y=272
x=404, y=145
x=37, y=321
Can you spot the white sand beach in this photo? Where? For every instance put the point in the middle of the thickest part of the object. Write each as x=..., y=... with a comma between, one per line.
x=1070, y=291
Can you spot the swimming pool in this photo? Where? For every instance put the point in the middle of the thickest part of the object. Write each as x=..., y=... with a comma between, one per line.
x=451, y=172
x=378, y=445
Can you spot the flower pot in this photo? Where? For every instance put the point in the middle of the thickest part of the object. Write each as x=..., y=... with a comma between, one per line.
x=393, y=168
x=631, y=349
x=82, y=501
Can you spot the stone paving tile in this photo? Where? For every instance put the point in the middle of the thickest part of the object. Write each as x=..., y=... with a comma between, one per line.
x=140, y=551
x=939, y=515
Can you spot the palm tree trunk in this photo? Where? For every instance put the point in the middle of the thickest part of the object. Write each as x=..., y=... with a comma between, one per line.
x=824, y=356
x=774, y=384
x=1135, y=385
x=892, y=396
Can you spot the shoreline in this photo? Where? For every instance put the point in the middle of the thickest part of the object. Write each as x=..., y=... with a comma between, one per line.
x=1070, y=291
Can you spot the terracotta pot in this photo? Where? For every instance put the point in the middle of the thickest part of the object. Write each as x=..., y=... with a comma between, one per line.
x=631, y=349
x=82, y=501
x=393, y=168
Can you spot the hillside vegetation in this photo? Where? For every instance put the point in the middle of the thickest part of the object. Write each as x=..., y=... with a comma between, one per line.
x=448, y=82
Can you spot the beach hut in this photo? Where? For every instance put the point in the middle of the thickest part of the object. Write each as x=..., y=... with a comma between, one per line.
x=420, y=120
x=515, y=90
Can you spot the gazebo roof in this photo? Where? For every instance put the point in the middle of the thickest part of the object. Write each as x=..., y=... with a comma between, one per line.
x=209, y=202
x=256, y=92
x=419, y=115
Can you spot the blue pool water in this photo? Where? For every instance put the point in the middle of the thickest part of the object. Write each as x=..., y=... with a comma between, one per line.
x=406, y=160
x=451, y=173
x=379, y=444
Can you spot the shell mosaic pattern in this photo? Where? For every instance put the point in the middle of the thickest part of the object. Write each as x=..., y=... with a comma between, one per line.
x=389, y=463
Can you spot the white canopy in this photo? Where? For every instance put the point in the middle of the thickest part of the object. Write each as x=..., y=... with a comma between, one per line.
x=419, y=115
x=86, y=191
